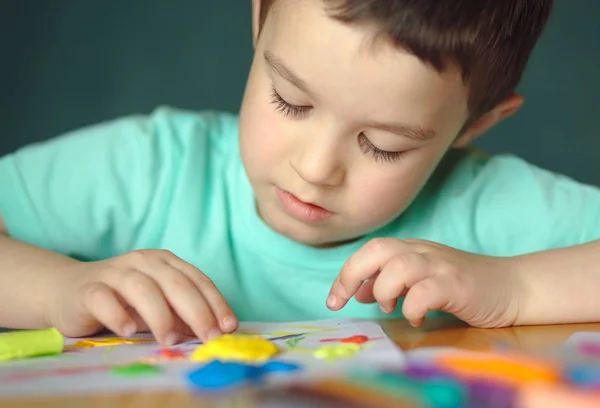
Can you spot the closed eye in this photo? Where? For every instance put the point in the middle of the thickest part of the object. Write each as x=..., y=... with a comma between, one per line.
x=378, y=155
x=287, y=108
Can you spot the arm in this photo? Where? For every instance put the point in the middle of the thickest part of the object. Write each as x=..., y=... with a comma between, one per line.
x=29, y=275
x=86, y=196
x=560, y=286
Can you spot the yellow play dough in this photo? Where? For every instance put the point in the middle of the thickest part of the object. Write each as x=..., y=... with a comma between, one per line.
x=232, y=347
x=30, y=343
x=337, y=351
x=109, y=341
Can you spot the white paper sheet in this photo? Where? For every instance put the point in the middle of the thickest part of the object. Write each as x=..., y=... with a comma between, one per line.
x=88, y=370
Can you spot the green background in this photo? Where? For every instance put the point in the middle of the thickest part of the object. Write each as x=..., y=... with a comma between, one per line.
x=70, y=63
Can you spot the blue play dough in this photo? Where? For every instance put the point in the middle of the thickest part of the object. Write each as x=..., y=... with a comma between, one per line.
x=279, y=367
x=584, y=375
x=219, y=375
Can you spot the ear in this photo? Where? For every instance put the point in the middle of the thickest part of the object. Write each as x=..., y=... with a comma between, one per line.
x=255, y=21
x=500, y=112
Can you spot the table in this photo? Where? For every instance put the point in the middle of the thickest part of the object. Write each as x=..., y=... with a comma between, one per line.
x=439, y=331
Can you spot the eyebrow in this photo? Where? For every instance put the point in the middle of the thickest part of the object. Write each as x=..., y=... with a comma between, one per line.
x=416, y=133
x=280, y=69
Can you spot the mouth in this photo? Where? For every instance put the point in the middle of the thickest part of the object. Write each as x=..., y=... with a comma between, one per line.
x=302, y=211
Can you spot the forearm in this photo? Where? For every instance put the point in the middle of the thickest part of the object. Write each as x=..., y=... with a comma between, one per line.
x=560, y=286
x=29, y=278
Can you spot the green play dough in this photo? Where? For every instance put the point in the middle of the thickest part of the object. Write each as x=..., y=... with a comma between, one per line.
x=135, y=370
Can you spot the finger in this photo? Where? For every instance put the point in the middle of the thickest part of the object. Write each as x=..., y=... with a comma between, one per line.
x=189, y=302
x=362, y=265
x=103, y=304
x=365, y=293
x=180, y=327
x=141, y=292
x=424, y=296
x=401, y=272
x=226, y=319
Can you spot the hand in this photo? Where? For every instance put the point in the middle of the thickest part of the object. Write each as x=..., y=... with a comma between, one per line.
x=480, y=290
x=139, y=291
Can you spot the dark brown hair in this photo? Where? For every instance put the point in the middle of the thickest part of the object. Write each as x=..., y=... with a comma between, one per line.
x=490, y=41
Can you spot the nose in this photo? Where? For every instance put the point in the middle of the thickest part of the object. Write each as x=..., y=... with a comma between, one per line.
x=319, y=162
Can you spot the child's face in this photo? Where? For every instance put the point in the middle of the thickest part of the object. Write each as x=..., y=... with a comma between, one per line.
x=372, y=124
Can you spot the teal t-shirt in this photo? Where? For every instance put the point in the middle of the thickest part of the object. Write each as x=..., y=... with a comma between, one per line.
x=174, y=180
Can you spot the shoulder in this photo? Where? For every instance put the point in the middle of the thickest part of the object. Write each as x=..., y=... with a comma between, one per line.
x=504, y=205
x=165, y=130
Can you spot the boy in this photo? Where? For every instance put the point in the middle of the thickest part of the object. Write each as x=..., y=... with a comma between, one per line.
x=350, y=180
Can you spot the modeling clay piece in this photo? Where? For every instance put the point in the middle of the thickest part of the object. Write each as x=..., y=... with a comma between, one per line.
x=218, y=375
x=30, y=343
x=584, y=375
x=589, y=348
x=136, y=369
x=111, y=341
x=294, y=342
x=172, y=354
x=337, y=351
x=358, y=339
x=437, y=392
x=231, y=347
x=482, y=392
x=517, y=371
x=221, y=375
x=279, y=367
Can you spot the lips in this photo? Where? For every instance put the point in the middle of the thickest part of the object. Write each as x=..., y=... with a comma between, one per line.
x=303, y=211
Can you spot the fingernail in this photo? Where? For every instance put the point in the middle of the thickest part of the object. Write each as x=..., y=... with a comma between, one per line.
x=331, y=301
x=129, y=329
x=384, y=309
x=171, y=339
x=213, y=334
x=229, y=323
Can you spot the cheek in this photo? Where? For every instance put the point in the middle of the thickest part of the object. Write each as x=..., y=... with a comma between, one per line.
x=396, y=187
x=261, y=133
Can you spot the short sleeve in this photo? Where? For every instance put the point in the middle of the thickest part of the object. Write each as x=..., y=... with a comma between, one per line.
x=87, y=193
x=516, y=207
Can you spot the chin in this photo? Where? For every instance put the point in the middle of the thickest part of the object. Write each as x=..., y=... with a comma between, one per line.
x=300, y=233
x=318, y=236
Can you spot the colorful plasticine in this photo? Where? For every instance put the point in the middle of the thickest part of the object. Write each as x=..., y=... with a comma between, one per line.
x=589, y=348
x=231, y=347
x=482, y=391
x=135, y=369
x=30, y=343
x=218, y=375
x=111, y=341
x=512, y=370
x=357, y=339
x=169, y=354
x=336, y=351
x=438, y=392
x=584, y=375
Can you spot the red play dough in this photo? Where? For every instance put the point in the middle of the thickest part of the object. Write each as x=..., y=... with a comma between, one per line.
x=166, y=353
x=355, y=339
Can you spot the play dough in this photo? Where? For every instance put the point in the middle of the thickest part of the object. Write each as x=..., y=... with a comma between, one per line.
x=232, y=347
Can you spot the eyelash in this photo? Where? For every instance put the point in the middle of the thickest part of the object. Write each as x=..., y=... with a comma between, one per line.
x=287, y=108
x=365, y=144
x=378, y=154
